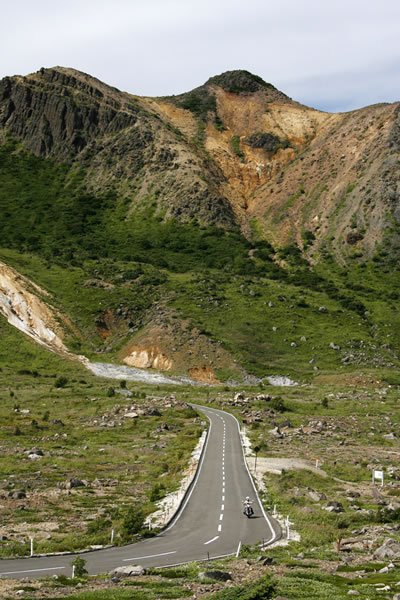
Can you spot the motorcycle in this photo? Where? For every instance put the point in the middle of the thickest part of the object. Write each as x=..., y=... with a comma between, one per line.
x=248, y=511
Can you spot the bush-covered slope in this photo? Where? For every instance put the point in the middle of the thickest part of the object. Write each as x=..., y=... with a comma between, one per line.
x=136, y=227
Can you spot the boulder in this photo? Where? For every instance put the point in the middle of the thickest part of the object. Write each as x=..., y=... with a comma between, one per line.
x=153, y=412
x=276, y=432
x=131, y=415
x=352, y=494
x=18, y=494
x=316, y=496
x=389, y=549
x=334, y=506
x=74, y=482
x=128, y=571
x=37, y=451
x=216, y=575
x=34, y=456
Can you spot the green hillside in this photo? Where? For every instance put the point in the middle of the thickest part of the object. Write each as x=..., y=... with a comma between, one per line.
x=271, y=310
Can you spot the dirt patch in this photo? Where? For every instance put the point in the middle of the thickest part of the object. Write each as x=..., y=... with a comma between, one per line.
x=347, y=379
x=171, y=344
x=204, y=374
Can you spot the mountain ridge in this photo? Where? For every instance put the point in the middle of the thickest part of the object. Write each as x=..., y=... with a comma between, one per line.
x=222, y=221
x=227, y=154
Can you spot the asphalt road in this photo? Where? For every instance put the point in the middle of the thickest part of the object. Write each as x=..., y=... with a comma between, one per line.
x=209, y=524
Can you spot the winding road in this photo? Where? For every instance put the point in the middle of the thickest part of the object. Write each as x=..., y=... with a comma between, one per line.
x=209, y=523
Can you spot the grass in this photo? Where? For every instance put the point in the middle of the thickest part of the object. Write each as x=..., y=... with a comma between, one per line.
x=107, y=268
x=67, y=424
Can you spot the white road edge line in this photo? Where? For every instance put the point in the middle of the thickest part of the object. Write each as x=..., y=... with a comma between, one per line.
x=149, y=556
x=212, y=540
x=183, y=506
x=31, y=570
x=199, y=560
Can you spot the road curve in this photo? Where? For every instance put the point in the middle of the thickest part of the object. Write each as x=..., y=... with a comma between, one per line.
x=209, y=524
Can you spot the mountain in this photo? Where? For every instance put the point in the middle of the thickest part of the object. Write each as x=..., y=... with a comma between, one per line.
x=203, y=232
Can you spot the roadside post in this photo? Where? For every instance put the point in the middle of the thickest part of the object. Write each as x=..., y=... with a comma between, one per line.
x=287, y=527
x=256, y=451
x=31, y=540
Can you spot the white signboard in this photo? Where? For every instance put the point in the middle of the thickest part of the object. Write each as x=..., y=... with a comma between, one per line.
x=377, y=476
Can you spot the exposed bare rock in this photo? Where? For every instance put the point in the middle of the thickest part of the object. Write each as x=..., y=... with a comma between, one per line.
x=128, y=571
x=389, y=549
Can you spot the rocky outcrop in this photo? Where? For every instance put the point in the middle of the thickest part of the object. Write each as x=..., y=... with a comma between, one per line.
x=57, y=113
x=121, y=144
x=146, y=358
x=22, y=307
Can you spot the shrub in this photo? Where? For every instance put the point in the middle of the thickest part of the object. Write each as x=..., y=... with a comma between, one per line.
x=157, y=491
x=98, y=525
x=132, y=522
x=278, y=404
x=263, y=589
x=235, y=145
x=267, y=141
x=385, y=515
x=80, y=566
x=61, y=382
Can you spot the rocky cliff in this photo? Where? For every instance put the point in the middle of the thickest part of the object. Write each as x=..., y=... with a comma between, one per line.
x=233, y=151
x=67, y=116
x=22, y=306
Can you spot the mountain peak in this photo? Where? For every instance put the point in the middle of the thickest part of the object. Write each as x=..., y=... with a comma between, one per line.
x=240, y=81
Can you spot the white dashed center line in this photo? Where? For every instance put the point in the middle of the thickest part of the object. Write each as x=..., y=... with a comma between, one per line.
x=212, y=540
x=221, y=516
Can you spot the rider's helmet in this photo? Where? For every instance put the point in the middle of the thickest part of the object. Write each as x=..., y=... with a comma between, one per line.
x=247, y=499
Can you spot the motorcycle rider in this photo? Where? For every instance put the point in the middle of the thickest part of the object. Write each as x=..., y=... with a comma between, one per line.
x=247, y=506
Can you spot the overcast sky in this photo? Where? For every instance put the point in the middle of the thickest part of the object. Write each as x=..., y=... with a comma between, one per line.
x=333, y=55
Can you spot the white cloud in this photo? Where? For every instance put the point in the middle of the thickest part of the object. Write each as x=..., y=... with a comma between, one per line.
x=338, y=54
